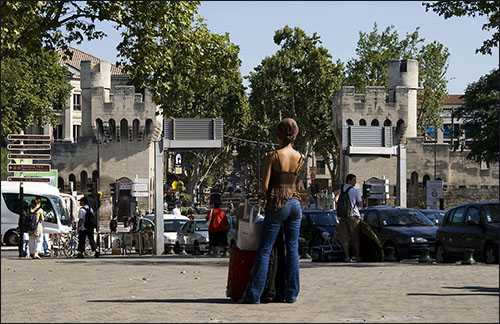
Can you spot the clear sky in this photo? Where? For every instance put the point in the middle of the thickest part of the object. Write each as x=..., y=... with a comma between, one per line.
x=251, y=26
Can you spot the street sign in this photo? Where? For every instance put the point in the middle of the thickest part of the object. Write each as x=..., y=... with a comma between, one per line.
x=125, y=186
x=28, y=179
x=29, y=156
x=27, y=147
x=379, y=196
x=178, y=159
x=140, y=187
x=52, y=175
x=434, y=193
x=313, y=176
x=178, y=170
x=140, y=194
x=22, y=137
x=29, y=167
x=312, y=169
x=140, y=180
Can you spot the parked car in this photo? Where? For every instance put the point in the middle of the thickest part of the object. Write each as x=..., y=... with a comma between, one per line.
x=171, y=225
x=434, y=215
x=472, y=225
x=193, y=235
x=406, y=230
x=314, y=223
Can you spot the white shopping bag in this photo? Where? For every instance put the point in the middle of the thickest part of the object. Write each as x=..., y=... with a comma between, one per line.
x=249, y=230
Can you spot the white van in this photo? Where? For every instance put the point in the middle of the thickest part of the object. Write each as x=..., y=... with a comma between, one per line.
x=72, y=206
x=57, y=218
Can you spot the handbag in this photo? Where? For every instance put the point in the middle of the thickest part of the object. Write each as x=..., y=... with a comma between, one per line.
x=207, y=223
x=248, y=236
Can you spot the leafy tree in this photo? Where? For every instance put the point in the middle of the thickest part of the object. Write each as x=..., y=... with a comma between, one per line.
x=298, y=82
x=32, y=85
x=375, y=49
x=490, y=9
x=479, y=114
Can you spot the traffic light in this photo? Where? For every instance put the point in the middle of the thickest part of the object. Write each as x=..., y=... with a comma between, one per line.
x=92, y=190
x=367, y=189
x=114, y=193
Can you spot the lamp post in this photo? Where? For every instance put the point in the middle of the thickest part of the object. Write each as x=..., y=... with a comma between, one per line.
x=104, y=143
x=435, y=146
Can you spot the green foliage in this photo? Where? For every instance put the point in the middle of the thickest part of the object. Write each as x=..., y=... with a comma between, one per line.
x=298, y=81
x=4, y=159
x=375, y=49
x=490, y=9
x=32, y=85
x=479, y=115
x=186, y=199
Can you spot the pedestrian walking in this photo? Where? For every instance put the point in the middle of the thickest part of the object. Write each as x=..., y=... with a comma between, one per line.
x=23, y=232
x=35, y=235
x=217, y=229
x=349, y=217
x=84, y=232
x=282, y=208
x=177, y=210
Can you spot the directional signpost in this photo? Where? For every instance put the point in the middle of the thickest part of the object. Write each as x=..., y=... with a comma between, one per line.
x=140, y=187
x=29, y=167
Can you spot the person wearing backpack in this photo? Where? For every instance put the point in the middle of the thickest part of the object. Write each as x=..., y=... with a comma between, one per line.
x=33, y=223
x=86, y=223
x=349, y=217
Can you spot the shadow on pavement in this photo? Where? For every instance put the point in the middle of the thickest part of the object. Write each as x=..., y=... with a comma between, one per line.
x=474, y=291
x=171, y=301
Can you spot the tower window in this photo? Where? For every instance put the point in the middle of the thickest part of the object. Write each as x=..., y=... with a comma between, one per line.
x=403, y=67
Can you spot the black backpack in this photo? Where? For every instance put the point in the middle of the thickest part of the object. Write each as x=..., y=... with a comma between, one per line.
x=344, y=205
x=30, y=221
x=113, y=225
x=90, y=221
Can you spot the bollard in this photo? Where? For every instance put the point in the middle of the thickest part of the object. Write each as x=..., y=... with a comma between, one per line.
x=305, y=253
x=468, y=259
x=170, y=249
x=196, y=250
x=425, y=258
x=226, y=252
x=182, y=250
x=389, y=254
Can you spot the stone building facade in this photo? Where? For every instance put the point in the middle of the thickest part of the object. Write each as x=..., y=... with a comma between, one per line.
x=114, y=122
x=370, y=127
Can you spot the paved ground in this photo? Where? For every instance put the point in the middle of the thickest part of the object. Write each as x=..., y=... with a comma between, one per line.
x=192, y=289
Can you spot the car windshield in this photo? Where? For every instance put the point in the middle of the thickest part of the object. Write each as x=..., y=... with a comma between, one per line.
x=433, y=215
x=61, y=210
x=491, y=213
x=404, y=217
x=200, y=226
x=173, y=225
x=323, y=219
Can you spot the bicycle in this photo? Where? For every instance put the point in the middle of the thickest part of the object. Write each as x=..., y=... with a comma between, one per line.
x=71, y=245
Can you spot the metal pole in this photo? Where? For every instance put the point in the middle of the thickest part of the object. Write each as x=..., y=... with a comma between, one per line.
x=435, y=145
x=158, y=171
x=98, y=181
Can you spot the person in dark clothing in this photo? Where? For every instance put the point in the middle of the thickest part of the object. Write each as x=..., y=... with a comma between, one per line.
x=84, y=233
x=22, y=230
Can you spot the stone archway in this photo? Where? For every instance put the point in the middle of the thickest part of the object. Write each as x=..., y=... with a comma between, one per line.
x=412, y=195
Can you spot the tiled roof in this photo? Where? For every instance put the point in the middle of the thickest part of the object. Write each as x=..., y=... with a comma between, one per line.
x=79, y=56
x=453, y=100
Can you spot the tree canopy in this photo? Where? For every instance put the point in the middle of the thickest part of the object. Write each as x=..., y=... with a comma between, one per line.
x=479, y=115
x=490, y=9
x=298, y=81
x=376, y=48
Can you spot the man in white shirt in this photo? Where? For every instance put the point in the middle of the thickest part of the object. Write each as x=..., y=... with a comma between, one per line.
x=177, y=210
x=83, y=232
x=349, y=226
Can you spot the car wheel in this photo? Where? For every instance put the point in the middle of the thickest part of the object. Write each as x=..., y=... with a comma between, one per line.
x=441, y=255
x=196, y=248
x=11, y=238
x=177, y=248
x=393, y=246
x=490, y=255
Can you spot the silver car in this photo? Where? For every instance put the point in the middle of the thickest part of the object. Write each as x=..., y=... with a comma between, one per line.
x=193, y=236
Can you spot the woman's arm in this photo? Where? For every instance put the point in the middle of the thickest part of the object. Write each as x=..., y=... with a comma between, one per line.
x=266, y=175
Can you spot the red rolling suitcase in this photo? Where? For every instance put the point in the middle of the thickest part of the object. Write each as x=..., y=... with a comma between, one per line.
x=240, y=268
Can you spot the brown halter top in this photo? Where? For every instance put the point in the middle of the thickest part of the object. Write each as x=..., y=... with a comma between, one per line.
x=281, y=187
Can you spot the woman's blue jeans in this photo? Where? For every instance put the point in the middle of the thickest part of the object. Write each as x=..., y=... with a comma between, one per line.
x=289, y=215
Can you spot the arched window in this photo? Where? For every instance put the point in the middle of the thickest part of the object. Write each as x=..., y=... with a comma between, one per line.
x=349, y=122
x=72, y=180
x=95, y=176
x=387, y=122
x=60, y=183
x=425, y=179
x=124, y=129
x=362, y=122
x=149, y=126
x=99, y=128
x=112, y=128
x=135, y=126
x=83, y=181
x=375, y=122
